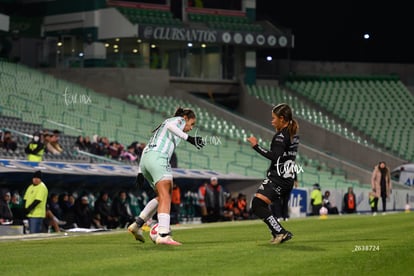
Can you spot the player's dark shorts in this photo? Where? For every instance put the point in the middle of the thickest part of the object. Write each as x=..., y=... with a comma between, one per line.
x=273, y=190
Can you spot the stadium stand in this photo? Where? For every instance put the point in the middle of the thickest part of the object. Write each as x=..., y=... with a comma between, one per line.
x=276, y=94
x=242, y=159
x=150, y=16
x=379, y=107
x=70, y=111
x=223, y=20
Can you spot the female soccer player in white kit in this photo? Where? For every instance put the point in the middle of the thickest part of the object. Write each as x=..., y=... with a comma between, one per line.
x=155, y=167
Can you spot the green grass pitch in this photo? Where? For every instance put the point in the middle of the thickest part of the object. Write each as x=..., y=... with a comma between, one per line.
x=338, y=245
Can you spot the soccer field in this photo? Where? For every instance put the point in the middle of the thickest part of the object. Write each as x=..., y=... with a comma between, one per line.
x=338, y=245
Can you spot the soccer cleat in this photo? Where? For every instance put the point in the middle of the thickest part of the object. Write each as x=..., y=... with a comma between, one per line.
x=288, y=236
x=280, y=238
x=166, y=240
x=136, y=231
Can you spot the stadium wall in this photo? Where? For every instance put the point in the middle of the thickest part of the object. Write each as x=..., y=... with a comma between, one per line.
x=399, y=200
x=404, y=71
x=116, y=82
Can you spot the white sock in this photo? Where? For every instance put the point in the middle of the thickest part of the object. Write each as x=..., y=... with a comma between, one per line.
x=149, y=210
x=163, y=223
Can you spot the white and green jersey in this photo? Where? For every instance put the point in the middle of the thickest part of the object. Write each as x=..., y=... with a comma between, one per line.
x=167, y=136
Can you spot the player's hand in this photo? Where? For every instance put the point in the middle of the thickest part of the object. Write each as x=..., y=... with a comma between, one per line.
x=139, y=181
x=252, y=140
x=197, y=141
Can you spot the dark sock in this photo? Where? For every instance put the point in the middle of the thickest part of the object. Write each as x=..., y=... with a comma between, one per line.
x=140, y=222
x=261, y=209
x=274, y=225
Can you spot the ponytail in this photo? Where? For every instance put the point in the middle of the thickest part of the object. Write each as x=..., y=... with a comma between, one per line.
x=293, y=128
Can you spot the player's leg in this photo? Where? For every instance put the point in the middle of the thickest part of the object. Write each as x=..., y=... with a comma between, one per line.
x=148, y=212
x=164, y=188
x=147, y=167
x=155, y=166
x=285, y=206
x=260, y=207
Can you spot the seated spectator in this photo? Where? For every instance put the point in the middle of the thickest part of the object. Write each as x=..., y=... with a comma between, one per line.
x=99, y=146
x=67, y=205
x=53, y=146
x=51, y=221
x=43, y=133
x=94, y=149
x=15, y=200
x=7, y=142
x=54, y=206
x=129, y=154
x=328, y=204
x=103, y=209
x=17, y=208
x=54, y=214
x=84, y=216
x=240, y=210
x=6, y=215
x=87, y=143
x=139, y=147
x=80, y=143
x=349, y=202
x=46, y=141
x=115, y=149
x=134, y=206
x=229, y=206
x=64, y=203
x=121, y=211
x=105, y=144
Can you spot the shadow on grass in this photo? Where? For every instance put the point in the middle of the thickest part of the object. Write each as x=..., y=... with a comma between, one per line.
x=294, y=247
x=149, y=246
x=352, y=240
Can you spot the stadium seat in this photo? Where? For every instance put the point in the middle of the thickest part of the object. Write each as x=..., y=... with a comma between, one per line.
x=364, y=102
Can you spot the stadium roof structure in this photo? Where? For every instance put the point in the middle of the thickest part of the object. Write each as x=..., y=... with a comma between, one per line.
x=208, y=30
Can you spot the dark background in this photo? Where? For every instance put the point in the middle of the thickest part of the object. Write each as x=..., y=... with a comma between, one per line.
x=333, y=30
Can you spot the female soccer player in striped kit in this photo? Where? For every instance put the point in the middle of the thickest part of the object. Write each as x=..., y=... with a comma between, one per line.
x=155, y=167
x=281, y=173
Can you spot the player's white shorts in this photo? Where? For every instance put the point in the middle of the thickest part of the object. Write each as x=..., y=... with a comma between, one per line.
x=155, y=167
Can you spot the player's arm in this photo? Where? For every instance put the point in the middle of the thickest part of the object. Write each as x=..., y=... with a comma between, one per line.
x=276, y=151
x=273, y=154
x=172, y=126
x=196, y=141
